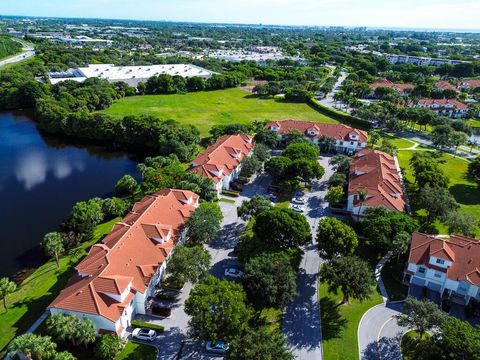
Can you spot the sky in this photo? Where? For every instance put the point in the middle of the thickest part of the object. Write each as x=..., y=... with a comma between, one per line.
x=432, y=14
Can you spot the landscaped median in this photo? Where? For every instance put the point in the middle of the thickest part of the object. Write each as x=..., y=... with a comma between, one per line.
x=39, y=289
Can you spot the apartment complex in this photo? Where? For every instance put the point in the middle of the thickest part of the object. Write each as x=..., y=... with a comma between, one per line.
x=221, y=162
x=444, y=107
x=444, y=268
x=401, y=88
x=419, y=60
x=348, y=140
x=118, y=276
x=377, y=174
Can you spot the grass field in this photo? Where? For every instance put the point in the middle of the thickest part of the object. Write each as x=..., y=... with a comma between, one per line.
x=208, y=108
x=463, y=188
x=136, y=351
x=39, y=289
x=340, y=324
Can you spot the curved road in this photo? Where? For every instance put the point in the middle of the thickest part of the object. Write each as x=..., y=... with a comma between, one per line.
x=28, y=52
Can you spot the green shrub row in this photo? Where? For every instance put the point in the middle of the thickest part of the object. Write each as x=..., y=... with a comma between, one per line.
x=344, y=118
x=230, y=193
x=157, y=328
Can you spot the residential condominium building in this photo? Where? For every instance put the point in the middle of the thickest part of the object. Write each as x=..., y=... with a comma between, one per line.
x=419, y=60
x=118, y=276
x=444, y=268
x=444, y=107
x=347, y=139
x=377, y=174
x=221, y=162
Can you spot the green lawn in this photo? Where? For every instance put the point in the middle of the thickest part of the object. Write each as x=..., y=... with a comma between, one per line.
x=136, y=351
x=207, y=108
x=40, y=288
x=474, y=123
x=399, y=143
x=340, y=324
x=464, y=188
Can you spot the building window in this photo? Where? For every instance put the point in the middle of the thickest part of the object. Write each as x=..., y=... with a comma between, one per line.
x=421, y=270
x=340, y=142
x=437, y=275
x=440, y=261
x=351, y=142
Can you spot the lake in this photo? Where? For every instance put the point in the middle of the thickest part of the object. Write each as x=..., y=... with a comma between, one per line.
x=40, y=179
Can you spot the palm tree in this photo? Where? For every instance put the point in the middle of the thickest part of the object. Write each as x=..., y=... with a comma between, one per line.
x=6, y=287
x=60, y=326
x=33, y=346
x=85, y=332
x=53, y=245
x=362, y=196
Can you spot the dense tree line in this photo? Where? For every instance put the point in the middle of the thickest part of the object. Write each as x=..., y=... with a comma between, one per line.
x=8, y=47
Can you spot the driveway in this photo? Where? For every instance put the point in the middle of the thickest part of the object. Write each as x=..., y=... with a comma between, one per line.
x=301, y=321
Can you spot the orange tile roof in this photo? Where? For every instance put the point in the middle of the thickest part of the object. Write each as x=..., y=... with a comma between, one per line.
x=129, y=255
x=445, y=85
x=471, y=83
x=224, y=156
x=336, y=131
x=375, y=173
x=463, y=252
x=442, y=103
x=387, y=83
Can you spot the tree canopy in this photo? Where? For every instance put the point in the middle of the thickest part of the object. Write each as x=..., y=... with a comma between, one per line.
x=204, y=224
x=335, y=238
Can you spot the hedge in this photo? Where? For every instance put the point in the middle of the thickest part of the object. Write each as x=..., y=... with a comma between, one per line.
x=230, y=193
x=157, y=328
x=344, y=118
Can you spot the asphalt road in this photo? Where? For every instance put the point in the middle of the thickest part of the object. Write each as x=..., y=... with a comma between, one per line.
x=301, y=321
x=379, y=335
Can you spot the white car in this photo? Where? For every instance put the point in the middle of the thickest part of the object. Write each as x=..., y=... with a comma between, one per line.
x=299, y=200
x=233, y=272
x=297, y=208
x=144, y=334
x=218, y=347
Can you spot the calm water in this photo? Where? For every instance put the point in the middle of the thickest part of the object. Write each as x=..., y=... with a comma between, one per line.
x=40, y=179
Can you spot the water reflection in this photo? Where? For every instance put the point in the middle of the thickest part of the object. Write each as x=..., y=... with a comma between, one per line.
x=41, y=177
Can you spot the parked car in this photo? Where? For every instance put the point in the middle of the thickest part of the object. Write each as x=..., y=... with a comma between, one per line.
x=297, y=208
x=144, y=334
x=299, y=200
x=233, y=272
x=219, y=347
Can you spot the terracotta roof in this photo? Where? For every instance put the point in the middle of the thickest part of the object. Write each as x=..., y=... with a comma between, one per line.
x=464, y=253
x=387, y=83
x=221, y=158
x=442, y=103
x=128, y=256
x=472, y=83
x=336, y=131
x=445, y=85
x=375, y=173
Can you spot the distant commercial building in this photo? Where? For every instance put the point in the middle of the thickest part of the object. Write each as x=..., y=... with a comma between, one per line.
x=378, y=175
x=348, y=140
x=117, y=278
x=259, y=54
x=221, y=162
x=129, y=74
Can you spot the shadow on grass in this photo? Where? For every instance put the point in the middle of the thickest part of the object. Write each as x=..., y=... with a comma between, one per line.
x=333, y=323
x=466, y=194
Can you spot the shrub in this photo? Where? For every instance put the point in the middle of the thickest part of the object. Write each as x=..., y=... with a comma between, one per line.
x=230, y=193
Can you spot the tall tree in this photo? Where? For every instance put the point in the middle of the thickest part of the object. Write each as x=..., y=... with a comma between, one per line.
x=217, y=310
x=438, y=202
x=204, y=224
x=282, y=228
x=254, y=206
x=335, y=238
x=341, y=163
x=84, y=332
x=462, y=223
x=301, y=150
x=53, y=245
x=457, y=340
x=349, y=274
x=362, y=197
x=423, y=315
x=189, y=263
x=269, y=280
x=335, y=194
x=400, y=244
x=260, y=344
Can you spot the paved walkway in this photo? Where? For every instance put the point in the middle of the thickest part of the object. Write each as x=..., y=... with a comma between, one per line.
x=301, y=321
